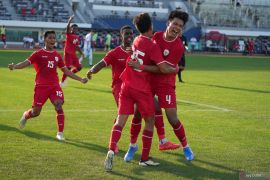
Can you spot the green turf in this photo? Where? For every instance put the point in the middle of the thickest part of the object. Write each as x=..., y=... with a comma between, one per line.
x=224, y=106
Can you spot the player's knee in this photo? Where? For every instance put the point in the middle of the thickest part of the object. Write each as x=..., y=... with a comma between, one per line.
x=58, y=105
x=36, y=112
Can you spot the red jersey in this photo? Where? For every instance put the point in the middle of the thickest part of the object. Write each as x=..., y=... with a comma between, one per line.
x=117, y=59
x=72, y=41
x=45, y=63
x=148, y=53
x=172, y=51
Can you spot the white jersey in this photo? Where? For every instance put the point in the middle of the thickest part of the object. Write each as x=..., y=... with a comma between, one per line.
x=87, y=41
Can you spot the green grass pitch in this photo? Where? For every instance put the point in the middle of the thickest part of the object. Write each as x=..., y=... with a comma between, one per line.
x=224, y=105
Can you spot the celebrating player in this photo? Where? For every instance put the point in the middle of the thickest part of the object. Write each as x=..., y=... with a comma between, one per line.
x=163, y=85
x=136, y=90
x=71, y=46
x=46, y=61
x=117, y=59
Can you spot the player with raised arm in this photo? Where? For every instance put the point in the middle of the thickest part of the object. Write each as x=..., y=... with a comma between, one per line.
x=136, y=90
x=45, y=62
x=163, y=85
x=71, y=46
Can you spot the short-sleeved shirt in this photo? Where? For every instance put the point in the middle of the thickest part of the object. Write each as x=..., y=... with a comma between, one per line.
x=72, y=42
x=46, y=63
x=148, y=53
x=172, y=52
x=117, y=59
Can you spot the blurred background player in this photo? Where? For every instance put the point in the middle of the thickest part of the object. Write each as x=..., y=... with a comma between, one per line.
x=108, y=40
x=163, y=85
x=45, y=62
x=182, y=61
x=136, y=90
x=3, y=36
x=94, y=40
x=87, y=48
x=71, y=46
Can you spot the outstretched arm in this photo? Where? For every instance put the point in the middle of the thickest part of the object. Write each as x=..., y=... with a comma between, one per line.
x=73, y=76
x=68, y=29
x=96, y=68
x=20, y=65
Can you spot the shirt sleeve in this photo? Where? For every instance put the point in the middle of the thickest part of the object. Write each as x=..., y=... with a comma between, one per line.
x=108, y=59
x=60, y=63
x=33, y=58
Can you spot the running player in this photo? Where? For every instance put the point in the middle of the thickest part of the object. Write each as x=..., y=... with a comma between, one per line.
x=45, y=62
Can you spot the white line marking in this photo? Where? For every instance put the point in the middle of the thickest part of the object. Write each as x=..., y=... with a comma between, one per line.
x=205, y=105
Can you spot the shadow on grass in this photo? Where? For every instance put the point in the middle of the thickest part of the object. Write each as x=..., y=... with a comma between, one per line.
x=183, y=169
x=27, y=133
x=231, y=88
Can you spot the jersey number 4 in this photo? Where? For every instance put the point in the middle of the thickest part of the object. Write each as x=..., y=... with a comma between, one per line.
x=169, y=99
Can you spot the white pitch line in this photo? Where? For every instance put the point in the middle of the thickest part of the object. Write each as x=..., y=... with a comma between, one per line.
x=205, y=105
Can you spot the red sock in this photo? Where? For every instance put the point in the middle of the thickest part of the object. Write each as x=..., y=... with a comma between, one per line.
x=60, y=120
x=28, y=114
x=147, y=142
x=135, y=129
x=179, y=131
x=159, y=125
x=115, y=136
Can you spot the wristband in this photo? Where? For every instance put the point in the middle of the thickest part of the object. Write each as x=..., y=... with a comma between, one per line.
x=141, y=67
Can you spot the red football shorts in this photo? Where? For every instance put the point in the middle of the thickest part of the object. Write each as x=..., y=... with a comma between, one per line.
x=3, y=37
x=42, y=93
x=166, y=96
x=129, y=97
x=71, y=60
x=116, y=91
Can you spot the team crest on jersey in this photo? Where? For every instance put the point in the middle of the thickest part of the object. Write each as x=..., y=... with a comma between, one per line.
x=56, y=59
x=75, y=41
x=166, y=52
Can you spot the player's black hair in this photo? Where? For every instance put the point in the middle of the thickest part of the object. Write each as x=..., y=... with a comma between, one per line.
x=124, y=27
x=48, y=32
x=178, y=14
x=74, y=25
x=142, y=22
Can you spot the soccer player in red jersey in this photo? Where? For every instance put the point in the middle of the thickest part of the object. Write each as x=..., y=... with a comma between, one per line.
x=45, y=62
x=163, y=85
x=117, y=59
x=136, y=89
x=71, y=46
